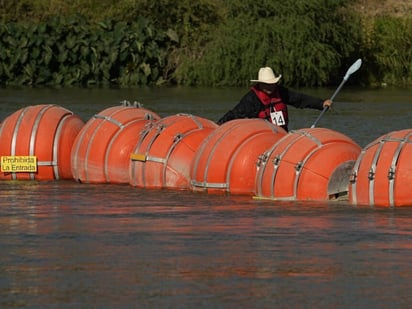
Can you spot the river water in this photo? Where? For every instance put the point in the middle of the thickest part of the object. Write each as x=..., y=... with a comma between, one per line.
x=70, y=245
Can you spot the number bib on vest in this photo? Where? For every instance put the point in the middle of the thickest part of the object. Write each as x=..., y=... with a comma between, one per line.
x=277, y=118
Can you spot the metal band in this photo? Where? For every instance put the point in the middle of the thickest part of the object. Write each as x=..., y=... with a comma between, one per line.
x=143, y=134
x=46, y=163
x=92, y=137
x=156, y=159
x=57, y=136
x=372, y=171
x=109, y=119
x=276, y=162
x=212, y=151
x=307, y=134
x=233, y=158
x=195, y=119
x=301, y=164
x=109, y=150
x=354, y=177
x=34, y=133
x=14, y=138
x=199, y=153
x=261, y=166
x=214, y=185
x=392, y=168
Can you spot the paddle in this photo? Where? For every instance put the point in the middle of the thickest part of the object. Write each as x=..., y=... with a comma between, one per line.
x=353, y=68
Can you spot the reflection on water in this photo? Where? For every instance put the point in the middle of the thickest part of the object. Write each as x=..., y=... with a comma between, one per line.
x=65, y=244
x=70, y=244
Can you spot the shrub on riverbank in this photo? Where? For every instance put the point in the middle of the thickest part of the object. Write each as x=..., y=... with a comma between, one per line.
x=387, y=50
x=204, y=42
x=67, y=51
x=306, y=41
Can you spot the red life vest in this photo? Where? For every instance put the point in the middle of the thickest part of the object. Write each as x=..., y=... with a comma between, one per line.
x=272, y=103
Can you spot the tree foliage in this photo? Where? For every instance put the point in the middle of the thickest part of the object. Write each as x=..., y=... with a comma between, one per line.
x=392, y=55
x=201, y=42
x=306, y=41
x=66, y=51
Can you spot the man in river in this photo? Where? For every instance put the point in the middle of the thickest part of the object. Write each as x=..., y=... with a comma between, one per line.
x=268, y=100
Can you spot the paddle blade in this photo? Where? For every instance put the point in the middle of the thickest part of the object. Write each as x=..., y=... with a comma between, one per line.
x=353, y=68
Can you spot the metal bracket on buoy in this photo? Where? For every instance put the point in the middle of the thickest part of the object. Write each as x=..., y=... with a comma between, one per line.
x=160, y=127
x=298, y=166
x=353, y=177
x=136, y=104
x=149, y=116
x=178, y=137
x=391, y=173
x=371, y=175
x=262, y=159
x=276, y=160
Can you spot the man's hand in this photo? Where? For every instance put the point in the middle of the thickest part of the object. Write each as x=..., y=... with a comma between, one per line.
x=327, y=103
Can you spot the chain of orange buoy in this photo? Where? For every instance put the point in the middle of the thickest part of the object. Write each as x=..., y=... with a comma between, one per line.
x=134, y=145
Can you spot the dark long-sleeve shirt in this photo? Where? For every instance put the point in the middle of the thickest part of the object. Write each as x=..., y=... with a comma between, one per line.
x=250, y=106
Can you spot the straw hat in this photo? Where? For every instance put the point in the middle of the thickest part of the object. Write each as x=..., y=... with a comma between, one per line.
x=266, y=76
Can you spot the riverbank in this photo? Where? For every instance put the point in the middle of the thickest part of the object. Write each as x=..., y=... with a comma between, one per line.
x=205, y=43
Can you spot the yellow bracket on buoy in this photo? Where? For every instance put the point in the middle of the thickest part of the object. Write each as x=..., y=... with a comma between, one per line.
x=138, y=157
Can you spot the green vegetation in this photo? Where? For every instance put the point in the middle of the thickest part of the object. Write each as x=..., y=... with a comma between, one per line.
x=306, y=42
x=387, y=50
x=201, y=42
x=67, y=51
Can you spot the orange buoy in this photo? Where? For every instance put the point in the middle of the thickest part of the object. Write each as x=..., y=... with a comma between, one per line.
x=165, y=150
x=307, y=164
x=101, y=151
x=382, y=173
x=226, y=160
x=36, y=142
